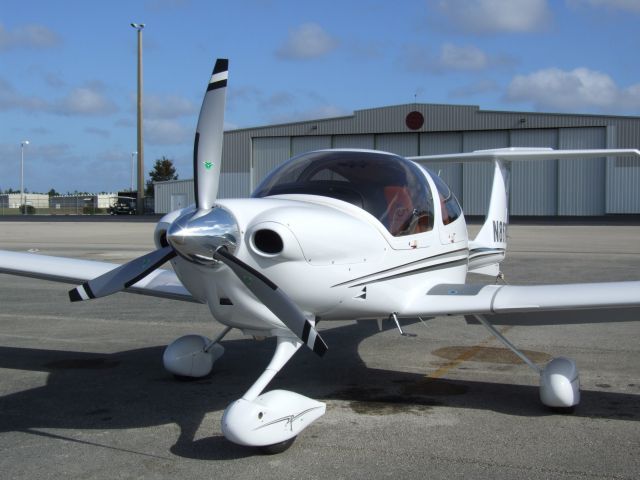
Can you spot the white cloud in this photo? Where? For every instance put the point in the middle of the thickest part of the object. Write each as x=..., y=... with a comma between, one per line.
x=88, y=100
x=450, y=58
x=468, y=57
x=85, y=100
x=166, y=132
x=167, y=106
x=580, y=89
x=307, y=41
x=497, y=16
x=28, y=36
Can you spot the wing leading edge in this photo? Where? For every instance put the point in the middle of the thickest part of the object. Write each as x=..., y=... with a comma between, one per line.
x=159, y=283
x=534, y=304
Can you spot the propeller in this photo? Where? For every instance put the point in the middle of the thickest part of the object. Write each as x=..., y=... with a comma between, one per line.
x=122, y=277
x=209, y=235
x=275, y=300
x=207, y=149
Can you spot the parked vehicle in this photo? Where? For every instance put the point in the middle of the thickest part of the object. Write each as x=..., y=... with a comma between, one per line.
x=123, y=206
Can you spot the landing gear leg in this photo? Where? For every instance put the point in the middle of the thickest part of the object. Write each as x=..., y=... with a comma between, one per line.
x=271, y=420
x=559, y=379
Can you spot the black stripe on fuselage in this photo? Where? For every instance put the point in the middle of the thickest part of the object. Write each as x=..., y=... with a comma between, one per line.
x=438, y=266
x=478, y=252
x=393, y=269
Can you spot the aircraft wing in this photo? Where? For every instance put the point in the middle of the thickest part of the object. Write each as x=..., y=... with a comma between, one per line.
x=159, y=283
x=534, y=304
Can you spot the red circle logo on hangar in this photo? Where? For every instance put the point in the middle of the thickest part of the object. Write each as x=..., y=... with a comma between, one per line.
x=414, y=120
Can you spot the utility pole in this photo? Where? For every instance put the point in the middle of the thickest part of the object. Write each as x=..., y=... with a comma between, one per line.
x=140, y=195
x=23, y=202
x=133, y=154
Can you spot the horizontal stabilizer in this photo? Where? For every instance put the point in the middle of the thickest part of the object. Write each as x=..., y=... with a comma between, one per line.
x=526, y=154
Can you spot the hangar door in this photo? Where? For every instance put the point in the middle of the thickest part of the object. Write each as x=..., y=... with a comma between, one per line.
x=270, y=152
x=581, y=183
x=266, y=154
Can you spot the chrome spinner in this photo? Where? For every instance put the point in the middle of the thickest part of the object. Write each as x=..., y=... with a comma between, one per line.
x=197, y=235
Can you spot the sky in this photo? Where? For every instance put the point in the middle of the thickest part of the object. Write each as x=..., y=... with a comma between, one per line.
x=68, y=70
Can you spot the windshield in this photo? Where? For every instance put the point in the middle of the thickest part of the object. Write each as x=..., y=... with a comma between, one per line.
x=389, y=187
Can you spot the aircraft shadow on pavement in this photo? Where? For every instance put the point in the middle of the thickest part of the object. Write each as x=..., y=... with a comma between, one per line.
x=130, y=389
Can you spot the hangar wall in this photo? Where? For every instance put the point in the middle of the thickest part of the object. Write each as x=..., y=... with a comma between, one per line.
x=569, y=187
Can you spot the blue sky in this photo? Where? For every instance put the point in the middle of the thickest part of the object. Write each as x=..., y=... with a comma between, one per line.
x=68, y=78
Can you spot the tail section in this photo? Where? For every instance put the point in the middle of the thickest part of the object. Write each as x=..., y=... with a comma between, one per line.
x=488, y=249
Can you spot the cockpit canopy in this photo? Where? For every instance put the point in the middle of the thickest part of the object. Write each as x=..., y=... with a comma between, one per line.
x=389, y=187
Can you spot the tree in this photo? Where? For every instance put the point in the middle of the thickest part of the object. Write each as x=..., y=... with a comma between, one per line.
x=53, y=193
x=163, y=170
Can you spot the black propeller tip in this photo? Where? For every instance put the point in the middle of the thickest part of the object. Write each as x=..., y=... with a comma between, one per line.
x=320, y=348
x=222, y=65
x=81, y=293
x=74, y=296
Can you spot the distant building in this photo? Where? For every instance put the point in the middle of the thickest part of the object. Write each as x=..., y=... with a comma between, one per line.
x=14, y=200
x=80, y=203
x=591, y=187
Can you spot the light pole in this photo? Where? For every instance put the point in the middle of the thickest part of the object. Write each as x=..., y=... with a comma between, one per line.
x=133, y=154
x=140, y=195
x=22, y=202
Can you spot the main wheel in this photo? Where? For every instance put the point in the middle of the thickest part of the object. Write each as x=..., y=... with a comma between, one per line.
x=278, y=447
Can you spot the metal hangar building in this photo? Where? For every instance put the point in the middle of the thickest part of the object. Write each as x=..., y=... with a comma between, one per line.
x=592, y=187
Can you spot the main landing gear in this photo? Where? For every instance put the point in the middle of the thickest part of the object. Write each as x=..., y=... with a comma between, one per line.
x=193, y=356
x=559, y=379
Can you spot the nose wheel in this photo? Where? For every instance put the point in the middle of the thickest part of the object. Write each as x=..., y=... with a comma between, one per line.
x=272, y=420
x=278, y=447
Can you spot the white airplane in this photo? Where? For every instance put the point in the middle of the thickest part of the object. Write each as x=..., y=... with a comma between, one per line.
x=334, y=235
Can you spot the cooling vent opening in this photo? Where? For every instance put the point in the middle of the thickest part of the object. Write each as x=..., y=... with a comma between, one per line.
x=163, y=239
x=268, y=241
x=160, y=237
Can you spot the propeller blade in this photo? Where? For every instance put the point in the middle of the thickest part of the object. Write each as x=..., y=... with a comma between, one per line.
x=275, y=300
x=207, y=148
x=121, y=277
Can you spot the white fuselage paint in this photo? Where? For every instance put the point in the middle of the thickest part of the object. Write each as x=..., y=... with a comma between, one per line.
x=338, y=261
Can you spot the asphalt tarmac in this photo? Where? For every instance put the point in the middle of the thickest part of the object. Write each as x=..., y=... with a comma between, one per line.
x=83, y=393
